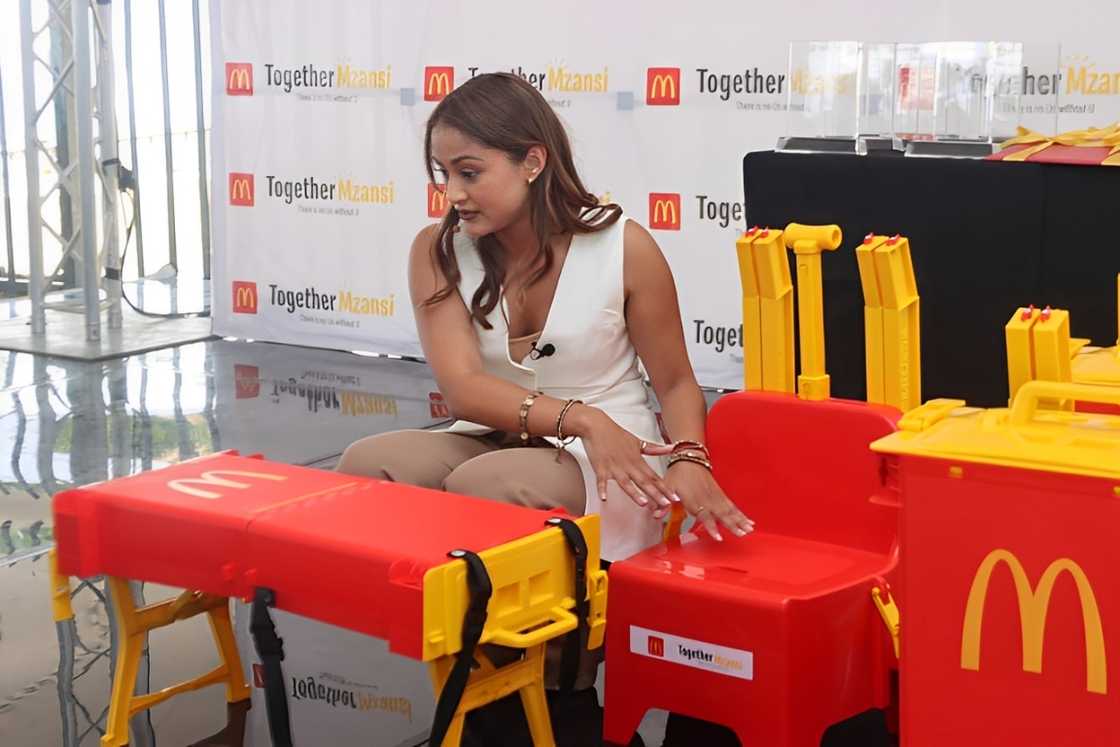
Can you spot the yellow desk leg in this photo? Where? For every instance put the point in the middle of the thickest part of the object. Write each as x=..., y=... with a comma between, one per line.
x=489, y=683
x=135, y=623
x=807, y=243
x=1020, y=349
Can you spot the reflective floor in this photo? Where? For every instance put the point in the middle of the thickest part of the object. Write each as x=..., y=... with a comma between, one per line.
x=65, y=423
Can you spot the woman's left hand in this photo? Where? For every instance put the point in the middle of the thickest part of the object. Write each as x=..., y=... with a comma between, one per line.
x=702, y=497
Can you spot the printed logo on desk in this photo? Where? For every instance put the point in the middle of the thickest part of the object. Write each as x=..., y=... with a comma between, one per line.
x=656, y=647
x=437, y=201
x=247, y=381
x=663, y=86
x=241, y=189
x=665, y=211
x=239, y=79
x=244, y=297
x=438, y=82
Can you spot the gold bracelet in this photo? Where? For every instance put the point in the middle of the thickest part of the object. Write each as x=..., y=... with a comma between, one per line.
x=561, y=439
x=691, y=446
x=689, y=458
x=524, y=415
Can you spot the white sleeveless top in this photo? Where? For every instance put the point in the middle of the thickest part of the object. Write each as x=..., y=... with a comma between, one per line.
x=594, y=362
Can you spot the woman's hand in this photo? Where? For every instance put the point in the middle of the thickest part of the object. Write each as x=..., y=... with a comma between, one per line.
x=702, y=497
x=616, y=454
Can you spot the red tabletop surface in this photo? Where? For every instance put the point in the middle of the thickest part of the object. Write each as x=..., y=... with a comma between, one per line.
x=348, y=550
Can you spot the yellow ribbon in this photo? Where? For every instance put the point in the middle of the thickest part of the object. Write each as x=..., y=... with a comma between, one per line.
x=1107, y=137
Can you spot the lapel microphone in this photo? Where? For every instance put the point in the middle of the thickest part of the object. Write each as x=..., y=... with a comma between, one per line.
x=543, y=351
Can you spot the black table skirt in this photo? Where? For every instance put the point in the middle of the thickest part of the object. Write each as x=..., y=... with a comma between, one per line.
x=986, y=238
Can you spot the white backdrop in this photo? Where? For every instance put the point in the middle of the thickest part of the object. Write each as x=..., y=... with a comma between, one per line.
x=331, y=134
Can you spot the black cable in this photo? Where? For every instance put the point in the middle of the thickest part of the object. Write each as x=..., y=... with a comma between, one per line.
x=128, y=187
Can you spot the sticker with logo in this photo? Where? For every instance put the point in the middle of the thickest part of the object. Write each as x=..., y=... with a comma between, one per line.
x=438, y=82
x=239, y=79
x=244, y=297
x=663, y=86
x=437, y=201
x=665, y=211
x=731, y=662
x=241, y=189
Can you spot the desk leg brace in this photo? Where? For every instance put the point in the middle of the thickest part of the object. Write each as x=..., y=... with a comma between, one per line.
x=270, y=649
x=135, y=623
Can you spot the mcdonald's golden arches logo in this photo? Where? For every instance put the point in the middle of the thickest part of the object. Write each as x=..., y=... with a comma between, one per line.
x=663, y=86
x=241, y=191
x=244, y=297
x=665, y=211
x=239, y=79
x=218, y=478
x=437, y=201
x=438, y=82
x=1034, y=605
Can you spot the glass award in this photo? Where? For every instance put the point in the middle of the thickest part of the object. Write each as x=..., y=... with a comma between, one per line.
x=823, y=108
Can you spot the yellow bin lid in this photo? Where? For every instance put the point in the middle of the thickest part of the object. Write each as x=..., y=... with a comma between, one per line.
x=1023, y=436
x=1097, y=366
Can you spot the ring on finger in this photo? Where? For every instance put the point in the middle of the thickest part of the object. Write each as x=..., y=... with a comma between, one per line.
x=643, y=446
x=700, y=510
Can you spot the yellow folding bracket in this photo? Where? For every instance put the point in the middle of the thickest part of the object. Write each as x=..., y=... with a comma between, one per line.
x=807, y=243
x=1039, y=348
x=891, y=320
x=531, y=604
x=888, y=610
x=135, y=623
x=767, y=311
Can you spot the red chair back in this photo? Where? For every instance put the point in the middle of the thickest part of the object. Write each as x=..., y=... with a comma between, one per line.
x=804, y=469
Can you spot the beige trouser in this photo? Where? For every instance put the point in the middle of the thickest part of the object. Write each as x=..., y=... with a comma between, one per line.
x=493, y=466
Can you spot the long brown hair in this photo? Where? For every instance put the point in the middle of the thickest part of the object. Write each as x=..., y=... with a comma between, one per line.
x=504, y=112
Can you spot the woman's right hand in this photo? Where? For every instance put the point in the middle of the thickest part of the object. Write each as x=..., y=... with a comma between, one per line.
x=616, y=454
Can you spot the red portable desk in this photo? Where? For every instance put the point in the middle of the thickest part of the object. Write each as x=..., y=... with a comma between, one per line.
x=184, y=525
x=346, y=550
x=1010, y=592
x=357, y=557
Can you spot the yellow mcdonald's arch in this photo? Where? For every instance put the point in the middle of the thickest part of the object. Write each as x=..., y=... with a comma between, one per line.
x=439, y=201
x=1034, y=604
x=439, y=84
x=666, y=84
x=245, y=297
x=241, y=189
x=214, y=478
x=662, y=210
x=238, y=79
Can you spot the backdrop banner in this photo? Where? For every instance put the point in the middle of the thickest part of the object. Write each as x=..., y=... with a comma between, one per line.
x=319, y=111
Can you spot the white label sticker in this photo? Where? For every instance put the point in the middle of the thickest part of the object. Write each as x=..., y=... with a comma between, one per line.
x=732, y=662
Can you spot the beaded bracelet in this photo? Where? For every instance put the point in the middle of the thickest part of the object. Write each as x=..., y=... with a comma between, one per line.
x=689, y=458
x=524, y=415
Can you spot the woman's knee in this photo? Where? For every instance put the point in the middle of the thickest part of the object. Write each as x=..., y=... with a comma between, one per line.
x=393, y=456
x=522, y=477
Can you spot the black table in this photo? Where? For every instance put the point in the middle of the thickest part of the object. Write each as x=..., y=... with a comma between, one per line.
x=986, y=237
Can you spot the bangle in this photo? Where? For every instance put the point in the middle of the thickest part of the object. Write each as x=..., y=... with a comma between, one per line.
x=561, y=439
x=524, y=415
x=684, y=457
x=679, y=446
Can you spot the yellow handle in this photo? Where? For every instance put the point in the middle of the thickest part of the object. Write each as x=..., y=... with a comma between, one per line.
x=826, y=238
x=1026, y=401
x=563, y=622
